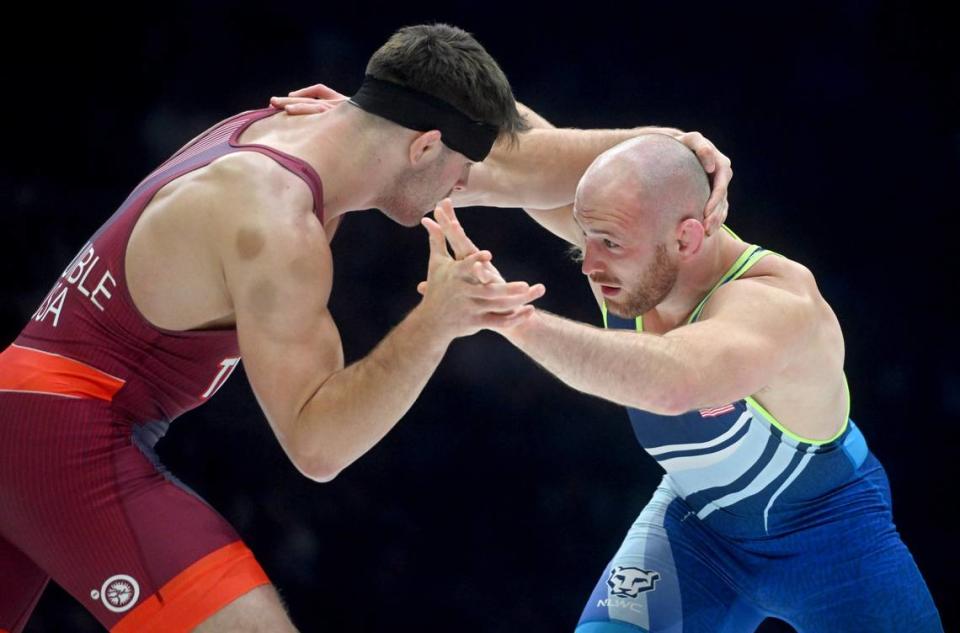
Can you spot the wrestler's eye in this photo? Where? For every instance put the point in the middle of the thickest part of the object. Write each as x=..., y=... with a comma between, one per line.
x=609, y=244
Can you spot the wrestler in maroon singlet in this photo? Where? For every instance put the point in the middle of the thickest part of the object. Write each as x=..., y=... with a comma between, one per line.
x=86, y=391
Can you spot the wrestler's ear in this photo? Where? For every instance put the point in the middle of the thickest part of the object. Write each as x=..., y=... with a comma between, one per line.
x=425, y=147
x=690, y=236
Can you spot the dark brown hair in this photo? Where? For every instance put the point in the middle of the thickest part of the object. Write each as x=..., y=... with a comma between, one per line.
x=449, y=64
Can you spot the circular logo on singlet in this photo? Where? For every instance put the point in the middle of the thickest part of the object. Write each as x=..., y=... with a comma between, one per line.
x=119, y=593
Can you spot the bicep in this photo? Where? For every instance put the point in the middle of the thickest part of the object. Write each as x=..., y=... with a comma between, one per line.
x=746, y=340
x=278, y=272
x=288, y=359
x=560, y=222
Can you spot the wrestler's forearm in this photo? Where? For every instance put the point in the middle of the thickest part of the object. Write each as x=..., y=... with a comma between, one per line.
x=633, y=369
x=358, y=405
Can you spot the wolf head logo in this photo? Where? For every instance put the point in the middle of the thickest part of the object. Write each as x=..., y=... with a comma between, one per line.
x=630, y=582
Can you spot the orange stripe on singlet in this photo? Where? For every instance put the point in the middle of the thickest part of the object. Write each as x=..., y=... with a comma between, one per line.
x=29, y=370
x=196, y=593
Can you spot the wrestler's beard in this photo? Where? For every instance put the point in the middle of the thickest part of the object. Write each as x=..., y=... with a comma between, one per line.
x=655, y=284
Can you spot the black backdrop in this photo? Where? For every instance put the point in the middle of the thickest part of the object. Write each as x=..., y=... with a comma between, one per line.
x=495, y=503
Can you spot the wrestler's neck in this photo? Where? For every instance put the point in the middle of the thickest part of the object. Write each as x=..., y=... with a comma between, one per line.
x=697, y=277
x=352, y=164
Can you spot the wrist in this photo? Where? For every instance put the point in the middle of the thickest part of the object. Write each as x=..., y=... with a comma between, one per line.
x=522, y=332
x=429, y=325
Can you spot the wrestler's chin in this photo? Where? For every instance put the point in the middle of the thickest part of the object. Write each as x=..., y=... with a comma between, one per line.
x=404, y=217
x=625, y=310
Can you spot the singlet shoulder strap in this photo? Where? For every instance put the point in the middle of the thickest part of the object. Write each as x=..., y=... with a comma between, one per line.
x=745, y=262
x=296, y=166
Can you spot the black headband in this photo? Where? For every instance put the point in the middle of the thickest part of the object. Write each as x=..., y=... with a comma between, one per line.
x=422, y=112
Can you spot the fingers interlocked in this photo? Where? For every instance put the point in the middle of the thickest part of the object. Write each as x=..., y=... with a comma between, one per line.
x=473, y=292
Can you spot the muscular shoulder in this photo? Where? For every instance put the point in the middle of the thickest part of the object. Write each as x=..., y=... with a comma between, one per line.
x=776, y=295
x=773, y=279
x=258, y=220
x=778, y=306
x=248, y=200
x=778, y=299
x=244, y=180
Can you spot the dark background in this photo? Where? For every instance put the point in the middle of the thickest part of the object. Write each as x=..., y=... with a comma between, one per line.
x=495, y=503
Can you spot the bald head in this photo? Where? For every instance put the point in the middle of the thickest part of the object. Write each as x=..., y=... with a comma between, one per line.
x=653, y=175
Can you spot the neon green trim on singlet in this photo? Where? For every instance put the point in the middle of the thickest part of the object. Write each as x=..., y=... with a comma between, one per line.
x=772, y=420
x=730, y=231
x=747, y=259
x=744, y=263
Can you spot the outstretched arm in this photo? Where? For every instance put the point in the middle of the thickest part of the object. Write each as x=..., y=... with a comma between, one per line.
x=549, y=166
x=542, y=171
x=746, y=337
x=752, y=333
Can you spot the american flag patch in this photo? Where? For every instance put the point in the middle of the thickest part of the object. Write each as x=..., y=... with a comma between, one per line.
x=715, y=411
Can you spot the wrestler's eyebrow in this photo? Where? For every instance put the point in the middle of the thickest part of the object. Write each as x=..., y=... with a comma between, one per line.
x=592, y=231
x=602, y=232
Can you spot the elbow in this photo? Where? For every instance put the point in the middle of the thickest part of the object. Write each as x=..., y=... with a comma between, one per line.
x=309, y=452
x=668, y=403
x=316, y=467
x=320, y=475
x=679, y=404
x=319, y=472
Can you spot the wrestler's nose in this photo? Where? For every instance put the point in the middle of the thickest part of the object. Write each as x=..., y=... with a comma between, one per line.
x=591, y=263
